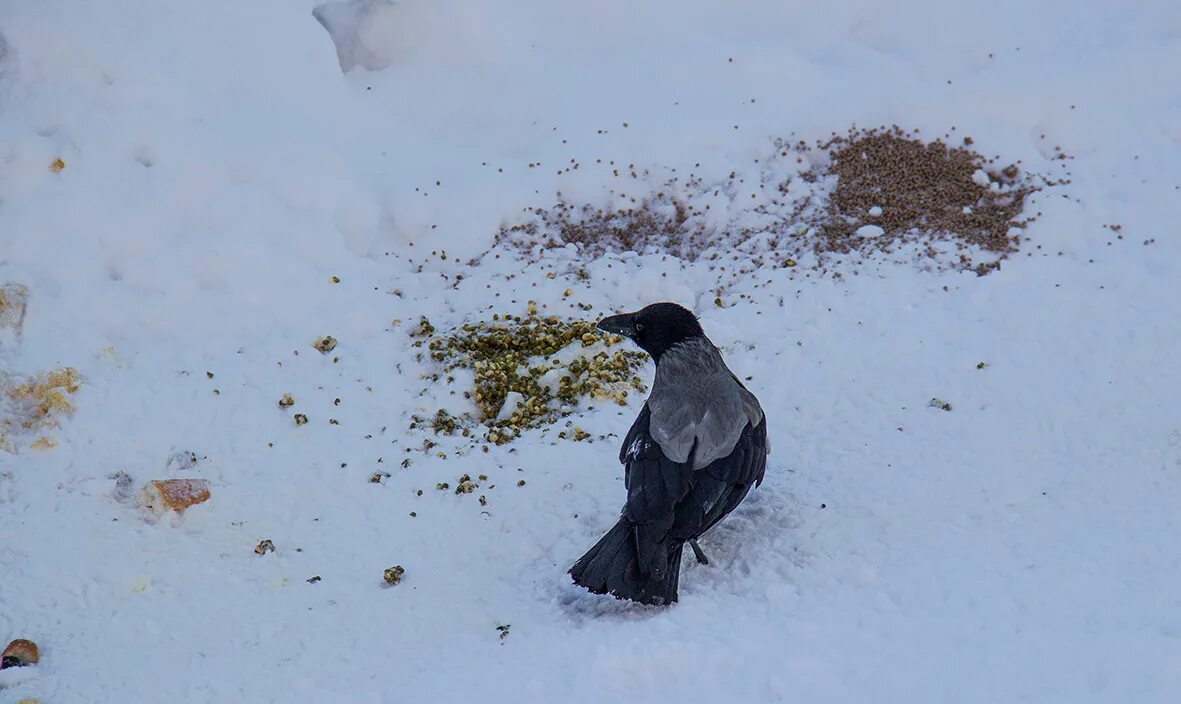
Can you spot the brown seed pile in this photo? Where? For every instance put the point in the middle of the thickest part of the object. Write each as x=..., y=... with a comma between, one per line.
x=916, y=189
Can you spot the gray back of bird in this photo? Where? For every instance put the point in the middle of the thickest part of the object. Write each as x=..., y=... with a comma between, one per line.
x=697, y=401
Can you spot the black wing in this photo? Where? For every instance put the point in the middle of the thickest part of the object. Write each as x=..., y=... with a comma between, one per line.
x=656, y=486
x=721, y=485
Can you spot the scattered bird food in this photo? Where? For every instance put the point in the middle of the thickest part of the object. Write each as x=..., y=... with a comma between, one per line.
x=264, y=547
x=393, y=575
x=123, y=491
x=857, y=194
x=163, y=495
x=19, y=653
x=465, y=485
x=36, y=403
x=525, y=376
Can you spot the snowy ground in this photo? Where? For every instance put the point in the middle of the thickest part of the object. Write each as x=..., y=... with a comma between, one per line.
x=219, y=169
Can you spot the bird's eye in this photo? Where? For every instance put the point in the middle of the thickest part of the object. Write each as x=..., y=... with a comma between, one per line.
x=639, y=327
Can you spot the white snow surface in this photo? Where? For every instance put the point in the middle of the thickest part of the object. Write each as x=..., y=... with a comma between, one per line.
x=220, y=168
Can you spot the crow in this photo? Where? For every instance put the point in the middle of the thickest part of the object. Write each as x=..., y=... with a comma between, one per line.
x=690, y=458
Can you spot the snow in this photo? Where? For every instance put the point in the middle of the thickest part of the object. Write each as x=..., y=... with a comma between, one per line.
x=512, y=401
x=220, y=169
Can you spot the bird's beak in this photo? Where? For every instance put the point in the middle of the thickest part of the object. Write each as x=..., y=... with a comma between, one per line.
x=618, y=325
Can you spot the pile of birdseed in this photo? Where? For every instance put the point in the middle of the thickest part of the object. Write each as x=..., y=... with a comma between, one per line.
x=904, y=188
x=852, y=196
x=526, y=361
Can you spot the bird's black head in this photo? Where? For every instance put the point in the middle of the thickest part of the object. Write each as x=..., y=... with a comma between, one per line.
x=655, y=328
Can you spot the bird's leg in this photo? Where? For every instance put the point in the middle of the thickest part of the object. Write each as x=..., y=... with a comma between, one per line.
x=701, y=558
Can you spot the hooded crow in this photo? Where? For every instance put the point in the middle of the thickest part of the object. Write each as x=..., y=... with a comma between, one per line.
x=690, y=458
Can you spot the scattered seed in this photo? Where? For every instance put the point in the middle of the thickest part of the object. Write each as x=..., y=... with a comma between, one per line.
x=940, y=404
x=393, y=575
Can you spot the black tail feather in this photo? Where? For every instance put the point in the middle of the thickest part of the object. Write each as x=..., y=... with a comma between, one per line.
x=612, y=567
